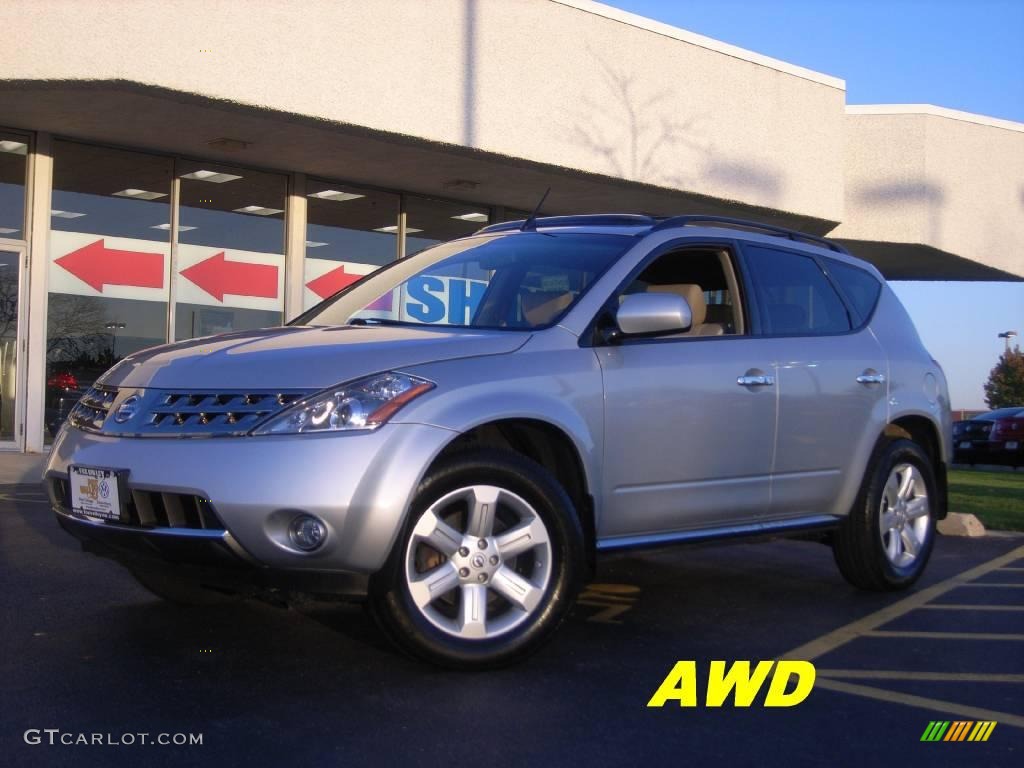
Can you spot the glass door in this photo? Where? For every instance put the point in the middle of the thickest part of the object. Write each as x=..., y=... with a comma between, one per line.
x=11, y=346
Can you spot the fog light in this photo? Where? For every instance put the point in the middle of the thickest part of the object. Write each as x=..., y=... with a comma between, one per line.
x=307, y=532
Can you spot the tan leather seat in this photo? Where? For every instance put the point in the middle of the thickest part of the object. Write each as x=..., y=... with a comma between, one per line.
x=541, y=307
x=694, y=296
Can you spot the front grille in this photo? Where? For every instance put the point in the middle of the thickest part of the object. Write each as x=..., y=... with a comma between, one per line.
x=154, y=509
x=91, y=410
x=177, y=413
x=200, y=413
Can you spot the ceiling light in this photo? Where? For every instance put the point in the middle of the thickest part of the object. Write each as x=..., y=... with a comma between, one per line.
x=14, y=147
x=314, y=244
x=140, y=194
x=336, y=195
x=258, y=210
x=66, y=214
x=7, y=231
x=212, y=176
x=472, y=217
x=393, y=228
x=165, y=227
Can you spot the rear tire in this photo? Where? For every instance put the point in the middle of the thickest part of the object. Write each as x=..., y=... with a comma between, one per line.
x=885, y=542
x=487, y=565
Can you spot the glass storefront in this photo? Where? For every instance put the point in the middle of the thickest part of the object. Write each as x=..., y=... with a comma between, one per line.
x=13, y=163
x=10, y=262
x=428, y=222
x=108, y=265
x=349, y=232
x=109, y=262
x=230, y=266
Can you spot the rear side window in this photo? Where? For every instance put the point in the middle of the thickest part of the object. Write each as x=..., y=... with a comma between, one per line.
x=860, y=287
x=795, y=297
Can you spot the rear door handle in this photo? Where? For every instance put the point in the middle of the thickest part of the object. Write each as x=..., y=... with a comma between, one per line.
x=871, y=376
x=756, y=380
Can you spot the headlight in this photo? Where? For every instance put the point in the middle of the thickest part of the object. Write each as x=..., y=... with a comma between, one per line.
x=363, y=404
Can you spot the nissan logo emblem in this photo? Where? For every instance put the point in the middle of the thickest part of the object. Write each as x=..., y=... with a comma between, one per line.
x=127, y=409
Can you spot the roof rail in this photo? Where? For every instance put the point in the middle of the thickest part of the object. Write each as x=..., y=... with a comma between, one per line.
x=728, y=221
x=587, y=220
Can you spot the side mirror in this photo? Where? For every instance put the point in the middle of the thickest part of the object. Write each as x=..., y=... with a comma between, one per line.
x=648, y=314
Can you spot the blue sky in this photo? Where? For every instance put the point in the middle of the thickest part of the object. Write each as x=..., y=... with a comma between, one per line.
x=962, y=55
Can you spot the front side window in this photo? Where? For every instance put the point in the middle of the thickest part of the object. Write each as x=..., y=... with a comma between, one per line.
x=702, y=276
x=795, y=297
x=520, y=281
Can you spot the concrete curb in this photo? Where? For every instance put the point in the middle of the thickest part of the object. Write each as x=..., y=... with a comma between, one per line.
x=960, y=524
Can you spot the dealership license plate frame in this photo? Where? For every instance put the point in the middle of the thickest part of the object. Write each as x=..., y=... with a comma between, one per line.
x=109, y=506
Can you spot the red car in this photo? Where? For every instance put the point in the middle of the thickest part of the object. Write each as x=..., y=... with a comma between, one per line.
x=996, y=437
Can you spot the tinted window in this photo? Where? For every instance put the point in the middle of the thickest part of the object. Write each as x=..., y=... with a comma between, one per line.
x=794, y=295
x=861, y=288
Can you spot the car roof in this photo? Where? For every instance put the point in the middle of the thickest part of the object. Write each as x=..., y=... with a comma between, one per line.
x=696, y=225
x=1002, y=413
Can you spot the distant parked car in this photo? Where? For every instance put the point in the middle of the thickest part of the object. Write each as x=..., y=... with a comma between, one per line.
x=996, y=437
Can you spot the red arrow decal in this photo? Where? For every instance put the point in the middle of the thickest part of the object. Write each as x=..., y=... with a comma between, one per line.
x=218, y=276
x=331, y=282
x=97, y=266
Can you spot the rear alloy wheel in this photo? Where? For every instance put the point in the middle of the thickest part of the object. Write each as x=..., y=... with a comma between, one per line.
x=886, y=540
x=487, y=566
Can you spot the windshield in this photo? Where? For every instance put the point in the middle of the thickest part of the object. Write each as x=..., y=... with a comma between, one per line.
x=1002, y=413
x=518, y=281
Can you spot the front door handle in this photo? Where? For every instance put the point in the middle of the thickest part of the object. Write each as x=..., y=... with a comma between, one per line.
x=756, y=379
x=871, y=376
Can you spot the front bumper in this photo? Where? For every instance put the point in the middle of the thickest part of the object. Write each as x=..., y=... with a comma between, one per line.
x=359, y=484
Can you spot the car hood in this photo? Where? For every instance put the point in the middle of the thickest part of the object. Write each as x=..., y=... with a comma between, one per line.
x=301, y=357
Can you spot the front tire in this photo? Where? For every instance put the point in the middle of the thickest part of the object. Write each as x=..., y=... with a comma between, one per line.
x=487, y=565
x=885, y=542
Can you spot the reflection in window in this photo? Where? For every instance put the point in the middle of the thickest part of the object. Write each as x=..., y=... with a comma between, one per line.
x=230, y=270
x=107, y=275
x=13, y=154
x=349, y=225
x=429, y=222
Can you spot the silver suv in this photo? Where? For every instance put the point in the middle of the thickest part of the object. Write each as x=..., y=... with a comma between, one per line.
x=459, y=434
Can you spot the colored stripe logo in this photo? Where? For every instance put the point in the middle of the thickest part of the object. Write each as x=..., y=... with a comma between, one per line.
x=958, y=730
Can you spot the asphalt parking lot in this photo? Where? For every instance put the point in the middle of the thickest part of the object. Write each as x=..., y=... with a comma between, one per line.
x=86, y=650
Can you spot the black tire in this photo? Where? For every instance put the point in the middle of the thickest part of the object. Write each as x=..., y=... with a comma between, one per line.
x=180, y=589
x=391, y=602
x=859, y=544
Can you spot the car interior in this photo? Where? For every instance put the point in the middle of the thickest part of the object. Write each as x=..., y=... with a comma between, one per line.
x=705, y=278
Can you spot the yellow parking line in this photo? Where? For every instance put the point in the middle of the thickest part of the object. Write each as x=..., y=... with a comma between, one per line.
x=922, y=702
x=946, y=635
x=968, y=607
x=838, y=637
x=1011, y=568
x=938, y=677
x=993, y=584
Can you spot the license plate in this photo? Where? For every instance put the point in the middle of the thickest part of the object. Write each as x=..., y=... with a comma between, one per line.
x=95, y=492
x=1011, y=445
x=966, y=444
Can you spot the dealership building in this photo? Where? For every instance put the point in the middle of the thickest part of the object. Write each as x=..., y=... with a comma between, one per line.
x=170, y=170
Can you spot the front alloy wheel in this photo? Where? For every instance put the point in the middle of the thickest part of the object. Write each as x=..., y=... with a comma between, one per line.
x=478, y=562
x=488, y=564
